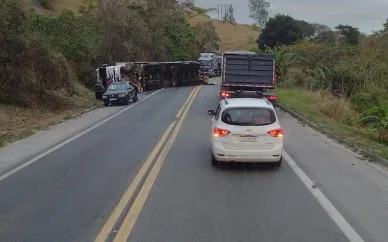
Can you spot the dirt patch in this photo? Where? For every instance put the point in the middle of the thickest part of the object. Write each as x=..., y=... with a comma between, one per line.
x=18, y=122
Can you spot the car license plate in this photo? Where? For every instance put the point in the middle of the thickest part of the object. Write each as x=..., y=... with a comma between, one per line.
x=248, y=138
x=113, y=99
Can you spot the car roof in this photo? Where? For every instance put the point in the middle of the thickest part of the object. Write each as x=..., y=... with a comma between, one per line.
x=246, y=102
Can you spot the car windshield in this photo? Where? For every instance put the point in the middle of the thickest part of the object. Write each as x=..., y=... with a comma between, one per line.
x=117, y=86
x=248, y=116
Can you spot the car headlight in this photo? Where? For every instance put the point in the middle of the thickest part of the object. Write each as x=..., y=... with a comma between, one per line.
x=104, y=97
x=122, y=95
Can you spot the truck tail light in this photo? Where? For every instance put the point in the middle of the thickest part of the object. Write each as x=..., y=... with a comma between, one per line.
x=276, y=133
x=217, y=132
x=225, y=94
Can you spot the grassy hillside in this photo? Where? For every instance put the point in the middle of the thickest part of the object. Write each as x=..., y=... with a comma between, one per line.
x=233, y=36
x=45, y=87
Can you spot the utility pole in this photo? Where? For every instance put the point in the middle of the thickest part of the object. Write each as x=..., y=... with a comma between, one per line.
x=218, y=11
x=221, y=12
x=226, y=13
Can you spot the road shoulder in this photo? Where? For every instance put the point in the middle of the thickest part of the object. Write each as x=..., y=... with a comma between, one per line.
x=373, y=159
x=353, y=186
x=337, y=120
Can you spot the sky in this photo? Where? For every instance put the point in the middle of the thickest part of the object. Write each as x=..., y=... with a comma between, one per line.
x=367, y=15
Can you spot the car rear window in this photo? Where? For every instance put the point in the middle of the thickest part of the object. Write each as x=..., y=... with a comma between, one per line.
x=248, y=116
x=117, y=86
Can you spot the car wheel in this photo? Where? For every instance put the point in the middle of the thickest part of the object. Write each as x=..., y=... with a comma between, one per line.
x=106, y=104
x=278, y=163
x=98, y=96
x=126, y=101
x=136, y=98
x=214, y=161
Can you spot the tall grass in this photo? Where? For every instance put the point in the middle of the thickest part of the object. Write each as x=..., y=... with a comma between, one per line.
x=345, y=83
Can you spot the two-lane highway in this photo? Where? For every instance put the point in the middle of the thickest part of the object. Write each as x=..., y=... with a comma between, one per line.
x=146, y=175
x=68, y=194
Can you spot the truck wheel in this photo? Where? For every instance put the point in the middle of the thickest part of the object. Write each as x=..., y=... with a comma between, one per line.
x=106, y=104
x=214, y=161
x=278, y=163
x=98, y=95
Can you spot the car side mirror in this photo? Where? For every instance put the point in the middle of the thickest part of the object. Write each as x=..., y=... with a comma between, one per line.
x=211, y=112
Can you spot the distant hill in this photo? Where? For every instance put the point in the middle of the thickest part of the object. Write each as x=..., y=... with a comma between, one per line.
x=233, y=36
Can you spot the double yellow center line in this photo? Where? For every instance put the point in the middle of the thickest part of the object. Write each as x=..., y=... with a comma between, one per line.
x=139, y=191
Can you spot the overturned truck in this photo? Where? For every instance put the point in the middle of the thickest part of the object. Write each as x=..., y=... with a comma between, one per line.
x=156, y=75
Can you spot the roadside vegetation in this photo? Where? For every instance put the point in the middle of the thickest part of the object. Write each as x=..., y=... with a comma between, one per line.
x=338, y=78
x=48, y=58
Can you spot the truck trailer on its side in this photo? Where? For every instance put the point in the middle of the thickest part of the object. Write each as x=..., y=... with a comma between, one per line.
x=245, y=72
x=105, y=73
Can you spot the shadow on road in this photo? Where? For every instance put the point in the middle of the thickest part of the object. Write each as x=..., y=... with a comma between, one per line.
x=247, y=167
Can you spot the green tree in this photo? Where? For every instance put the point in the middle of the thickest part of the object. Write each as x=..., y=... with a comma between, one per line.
x=182, y=40
x=306, y=28
x=326, y=36
x=206, y=37
x=280, y=30
x=259, y=11
x=352, y=35
x=124, y=34
x=284, y=59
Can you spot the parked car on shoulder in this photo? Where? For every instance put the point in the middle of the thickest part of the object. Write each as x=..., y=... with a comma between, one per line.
x=120, y=93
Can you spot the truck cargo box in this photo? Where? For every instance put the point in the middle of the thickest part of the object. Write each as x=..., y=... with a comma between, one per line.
x=248, y=69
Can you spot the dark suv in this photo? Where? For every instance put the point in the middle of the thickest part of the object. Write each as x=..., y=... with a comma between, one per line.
x=120, y=92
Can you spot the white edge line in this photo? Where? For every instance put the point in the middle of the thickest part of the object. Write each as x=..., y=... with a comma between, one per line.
x=334, y=214
x=24, y=165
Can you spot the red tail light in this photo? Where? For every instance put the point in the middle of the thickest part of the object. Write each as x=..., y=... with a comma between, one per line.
x=276, y=133
x=220, y=132
x=225, y=94
x=272, y=97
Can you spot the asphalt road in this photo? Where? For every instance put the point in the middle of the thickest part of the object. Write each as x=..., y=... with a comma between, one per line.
x=130, y=179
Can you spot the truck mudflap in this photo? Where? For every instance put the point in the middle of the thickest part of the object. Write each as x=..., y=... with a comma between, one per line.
x=249, y=94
